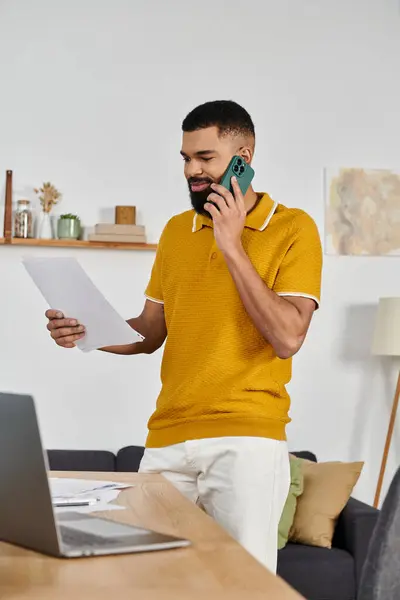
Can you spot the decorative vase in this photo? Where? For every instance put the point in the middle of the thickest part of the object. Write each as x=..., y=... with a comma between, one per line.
x=45, y=227
x=68, y=229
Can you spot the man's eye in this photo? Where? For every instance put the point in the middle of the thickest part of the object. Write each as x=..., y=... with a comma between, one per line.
x=207, y=159
x=186, y=159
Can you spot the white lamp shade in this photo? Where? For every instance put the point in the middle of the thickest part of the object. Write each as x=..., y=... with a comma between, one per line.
x=386, y=340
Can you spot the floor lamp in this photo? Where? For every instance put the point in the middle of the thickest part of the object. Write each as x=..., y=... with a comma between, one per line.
x=386, y=342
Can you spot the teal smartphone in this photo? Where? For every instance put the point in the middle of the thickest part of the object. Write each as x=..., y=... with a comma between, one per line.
x=242, y=171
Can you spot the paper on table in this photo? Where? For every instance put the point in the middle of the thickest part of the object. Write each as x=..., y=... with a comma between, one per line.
x=67, y=487
x=66, y=287
x=105, y=498
x=79, y=489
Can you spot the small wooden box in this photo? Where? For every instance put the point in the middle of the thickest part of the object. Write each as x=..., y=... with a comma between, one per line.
x=125, y=215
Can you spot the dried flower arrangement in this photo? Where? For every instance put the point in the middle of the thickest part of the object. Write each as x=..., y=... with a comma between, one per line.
x=50, y=196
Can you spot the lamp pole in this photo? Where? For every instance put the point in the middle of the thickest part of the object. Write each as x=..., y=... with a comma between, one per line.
x=388, y=441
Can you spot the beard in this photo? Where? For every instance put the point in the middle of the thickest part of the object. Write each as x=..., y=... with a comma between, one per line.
x=198, y=199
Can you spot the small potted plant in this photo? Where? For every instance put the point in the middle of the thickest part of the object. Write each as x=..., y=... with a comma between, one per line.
x=68, y=227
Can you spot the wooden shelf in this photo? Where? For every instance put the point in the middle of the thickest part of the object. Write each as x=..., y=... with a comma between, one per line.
x=8, y=240
x=76, y=244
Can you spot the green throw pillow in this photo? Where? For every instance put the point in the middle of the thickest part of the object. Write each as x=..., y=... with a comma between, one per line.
x=289, y=510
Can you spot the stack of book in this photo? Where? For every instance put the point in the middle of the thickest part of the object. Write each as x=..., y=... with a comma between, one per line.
x=109, y=232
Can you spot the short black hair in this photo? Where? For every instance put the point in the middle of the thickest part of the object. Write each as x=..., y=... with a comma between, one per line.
x=228, y=116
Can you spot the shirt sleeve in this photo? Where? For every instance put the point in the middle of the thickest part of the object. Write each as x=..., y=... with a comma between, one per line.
x=300, y=271
x=154, y=289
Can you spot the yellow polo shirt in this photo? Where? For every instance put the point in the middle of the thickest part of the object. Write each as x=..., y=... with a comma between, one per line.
x=219, y=376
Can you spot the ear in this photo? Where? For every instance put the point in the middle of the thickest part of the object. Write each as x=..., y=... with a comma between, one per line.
x=246, y=153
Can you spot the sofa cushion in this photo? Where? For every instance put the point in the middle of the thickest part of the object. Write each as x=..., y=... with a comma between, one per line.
x=318, y=573
x=289, y=510
x=327, y=489
x=128, y=458
x=81, y=460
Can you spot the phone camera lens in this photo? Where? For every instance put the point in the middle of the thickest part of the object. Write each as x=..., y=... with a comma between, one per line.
x=242, y=169
x=236, y=168
x=239, y=161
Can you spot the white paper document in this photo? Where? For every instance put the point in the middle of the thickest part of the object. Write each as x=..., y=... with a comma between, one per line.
x=104, y=502
x=67, y=487
x=78, y=489
x=66, y=287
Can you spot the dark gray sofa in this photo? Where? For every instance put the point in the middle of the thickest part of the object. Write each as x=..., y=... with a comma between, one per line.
x=317, y=573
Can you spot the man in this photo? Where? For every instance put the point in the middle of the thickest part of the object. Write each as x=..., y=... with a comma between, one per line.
x=233, y=288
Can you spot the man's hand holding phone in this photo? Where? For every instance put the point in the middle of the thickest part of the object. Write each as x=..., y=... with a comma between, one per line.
x=228, y=213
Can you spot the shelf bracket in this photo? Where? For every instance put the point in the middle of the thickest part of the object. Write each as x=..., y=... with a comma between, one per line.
x=8, y=209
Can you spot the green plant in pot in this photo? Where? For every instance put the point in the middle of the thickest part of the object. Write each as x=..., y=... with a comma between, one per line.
x=68, y=227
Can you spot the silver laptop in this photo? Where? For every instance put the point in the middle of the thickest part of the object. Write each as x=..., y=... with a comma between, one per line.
x=27, y=517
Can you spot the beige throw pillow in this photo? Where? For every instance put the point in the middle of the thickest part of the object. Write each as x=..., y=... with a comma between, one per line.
x=327, y=488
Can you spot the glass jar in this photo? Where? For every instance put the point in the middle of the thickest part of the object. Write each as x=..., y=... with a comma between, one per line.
x=23, y=225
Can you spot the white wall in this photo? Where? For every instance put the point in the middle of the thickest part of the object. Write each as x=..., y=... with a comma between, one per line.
x=92, y=98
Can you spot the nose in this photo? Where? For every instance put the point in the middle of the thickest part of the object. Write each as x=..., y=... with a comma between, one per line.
x=193, y=169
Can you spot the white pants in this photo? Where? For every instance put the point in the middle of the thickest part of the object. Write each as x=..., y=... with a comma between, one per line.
x=242, y=482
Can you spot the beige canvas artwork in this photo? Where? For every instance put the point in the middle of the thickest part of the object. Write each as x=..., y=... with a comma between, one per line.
x=362, y=212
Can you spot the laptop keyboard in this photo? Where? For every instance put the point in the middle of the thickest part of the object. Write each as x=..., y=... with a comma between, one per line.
x=79, y=539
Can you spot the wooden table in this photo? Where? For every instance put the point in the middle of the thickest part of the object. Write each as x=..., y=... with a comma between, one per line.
x=214, y=568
